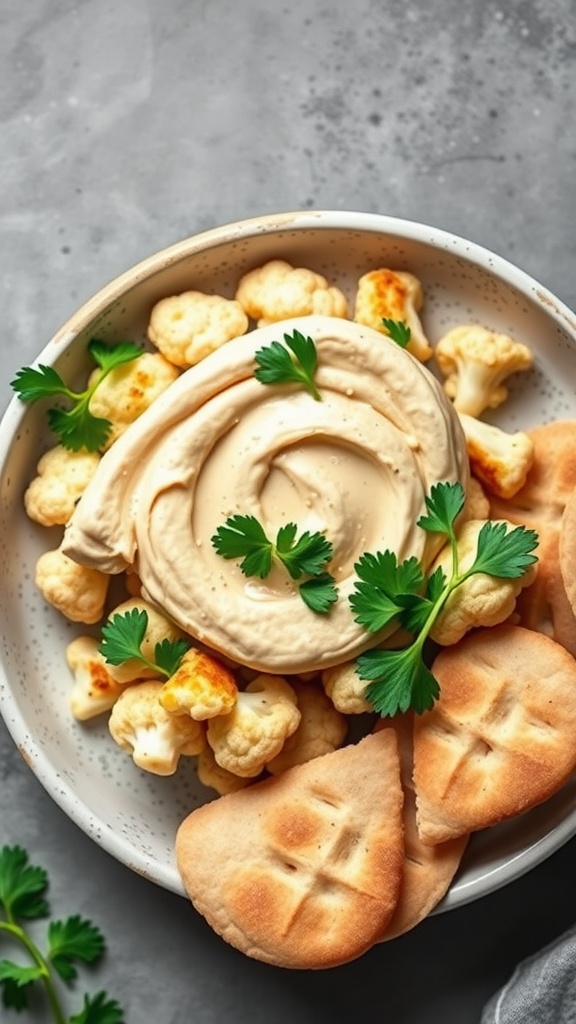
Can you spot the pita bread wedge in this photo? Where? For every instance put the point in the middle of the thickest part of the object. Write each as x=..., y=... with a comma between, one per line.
x=502, y=736
x=540, y=504
x=428, y=870
x=302, y=870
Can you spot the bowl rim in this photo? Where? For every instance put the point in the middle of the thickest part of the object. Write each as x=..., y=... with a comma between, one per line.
x=59, y=789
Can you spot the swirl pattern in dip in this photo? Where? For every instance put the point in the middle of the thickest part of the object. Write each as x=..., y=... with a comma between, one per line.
x=356, y=465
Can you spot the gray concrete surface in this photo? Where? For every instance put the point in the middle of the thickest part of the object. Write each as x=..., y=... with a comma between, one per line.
x=126, y=126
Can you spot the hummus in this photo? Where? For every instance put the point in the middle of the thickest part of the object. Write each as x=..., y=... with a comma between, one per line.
x=356, y=465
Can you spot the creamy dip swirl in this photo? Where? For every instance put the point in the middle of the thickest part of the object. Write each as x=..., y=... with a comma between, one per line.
x=357, y=465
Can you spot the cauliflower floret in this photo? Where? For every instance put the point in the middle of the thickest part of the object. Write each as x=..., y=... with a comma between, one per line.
x=77, y=592
x=345, y=689
x=501, y=461
x=277, y=291
x=263, y=717
x=187, y=327
x=475, y=361
x=477, y=504
x=395, y=295
x=62, y=478
x=139, y=724
x=159, y=628
x=212, y=775
x=94, y=691
x=129, y=389
x=322, y=729
x=481, y=600
x=201, y=687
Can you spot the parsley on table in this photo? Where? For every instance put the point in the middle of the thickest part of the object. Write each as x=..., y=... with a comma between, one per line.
x=398, y=331
x=243, y=536
x=70, y=941
x=123, y=636
x=75, y=427
x=388, y=592
x=295, y=362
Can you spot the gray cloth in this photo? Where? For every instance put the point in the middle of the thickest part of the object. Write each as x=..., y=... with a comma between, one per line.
x=542, y=989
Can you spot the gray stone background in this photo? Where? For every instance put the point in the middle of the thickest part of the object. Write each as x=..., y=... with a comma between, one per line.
x=127, y=126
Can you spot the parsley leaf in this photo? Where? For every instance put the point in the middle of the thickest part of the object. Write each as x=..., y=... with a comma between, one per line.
x=398, y=331
x=22, y=889
x=295, y=362
x=319, y=593
x=123, y=636
x=76, y=427
x=388, y=592
x=244, y=537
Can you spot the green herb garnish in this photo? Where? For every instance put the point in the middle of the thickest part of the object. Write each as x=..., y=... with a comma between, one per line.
x=71, y=941
x=244, y=537
x=398, y=331
x=389, y=592
x=295, y=362
x=122, y=639
x=76, y=427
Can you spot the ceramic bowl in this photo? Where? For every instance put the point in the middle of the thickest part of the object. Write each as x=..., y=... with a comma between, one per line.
x=134, y=815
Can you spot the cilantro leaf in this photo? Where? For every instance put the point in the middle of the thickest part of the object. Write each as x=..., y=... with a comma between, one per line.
x=99, y=1009
x=398, y=331
x=76, y=427
x=505, y=553
x=73, y=939
x=399, y=680
x=319, y=593
x=444, y=504
x=244, y=537
x=387, y=591
x=21, y=885
x=295, y=362
x=306, y=556
x=123, y=636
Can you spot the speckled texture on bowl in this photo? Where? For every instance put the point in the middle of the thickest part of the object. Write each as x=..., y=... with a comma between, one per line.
x=134, y=815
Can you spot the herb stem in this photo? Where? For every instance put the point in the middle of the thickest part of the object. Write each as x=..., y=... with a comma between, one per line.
x=20, y=935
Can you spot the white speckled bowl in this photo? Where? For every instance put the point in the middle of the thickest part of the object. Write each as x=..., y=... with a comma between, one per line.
x=134, y=815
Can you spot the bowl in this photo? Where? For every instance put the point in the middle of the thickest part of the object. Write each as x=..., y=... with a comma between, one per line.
x=132, y=814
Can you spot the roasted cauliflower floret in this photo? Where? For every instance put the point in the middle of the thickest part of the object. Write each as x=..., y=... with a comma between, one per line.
x=501, y=461
x=394, y=295
x=187, y=327
x=277, y=291
x=94, y=690
x=139, y=724
x=159, y=628
x=322, y=729
x=62, y=478
x=263, y=717
x=477, y=504
x=77, y=592
x=201, y=687
x=481, y=600
x=212, y=775
x=346, y=690
x=128, y=390
x=475, y=362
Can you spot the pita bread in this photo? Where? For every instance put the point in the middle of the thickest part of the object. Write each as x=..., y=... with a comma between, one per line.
x=428, y=870
x=539, y=504
x=502, y=736
x=303, y=869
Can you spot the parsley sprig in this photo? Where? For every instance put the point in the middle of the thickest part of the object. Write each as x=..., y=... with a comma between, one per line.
x=243, y=536
x=294, y=362
x=75, y=427
x=388, y=592
x=398, y=331
x=123, y=636
x=71, y=941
